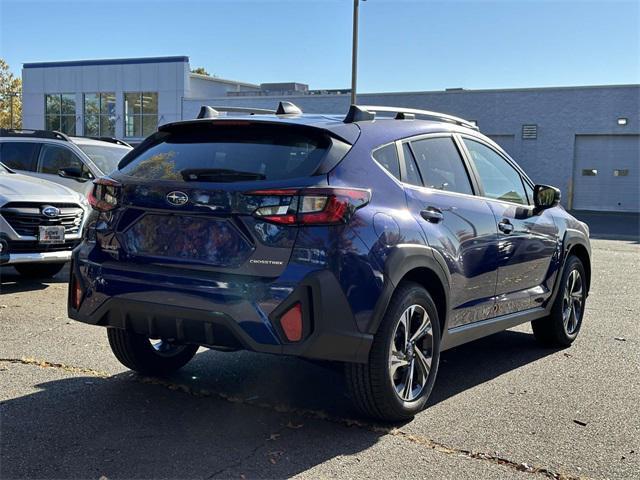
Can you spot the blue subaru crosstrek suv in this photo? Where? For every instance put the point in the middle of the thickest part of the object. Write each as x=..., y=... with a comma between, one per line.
x=377, y=240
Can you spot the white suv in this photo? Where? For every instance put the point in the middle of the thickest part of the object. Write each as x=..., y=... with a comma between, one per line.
x=40, y=223
x=69, y=161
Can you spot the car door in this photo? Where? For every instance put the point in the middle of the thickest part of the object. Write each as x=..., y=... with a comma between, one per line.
x=458, y=225
x=55, y=157
x=527, y=239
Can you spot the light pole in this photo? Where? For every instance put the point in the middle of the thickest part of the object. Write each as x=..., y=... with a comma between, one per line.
x=354, y=51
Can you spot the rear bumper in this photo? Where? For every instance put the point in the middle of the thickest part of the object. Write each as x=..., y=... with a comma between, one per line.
x=242, y=316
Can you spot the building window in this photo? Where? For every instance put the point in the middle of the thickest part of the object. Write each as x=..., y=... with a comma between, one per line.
x=589, y=172
x=141, y=113
x=60, y=112
x=100, y=114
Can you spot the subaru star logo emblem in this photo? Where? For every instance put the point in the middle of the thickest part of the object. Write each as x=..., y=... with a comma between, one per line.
x=177, y=198
x=49, y=211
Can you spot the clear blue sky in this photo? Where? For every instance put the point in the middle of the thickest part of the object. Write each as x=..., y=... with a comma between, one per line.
x=405, y=45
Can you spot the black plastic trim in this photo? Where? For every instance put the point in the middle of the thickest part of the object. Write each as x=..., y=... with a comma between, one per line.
x=402, y=260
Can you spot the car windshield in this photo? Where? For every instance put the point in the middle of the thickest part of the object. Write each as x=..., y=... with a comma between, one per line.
x=106, y=157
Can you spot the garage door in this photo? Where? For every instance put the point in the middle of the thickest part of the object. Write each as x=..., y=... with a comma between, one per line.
x=606, y=176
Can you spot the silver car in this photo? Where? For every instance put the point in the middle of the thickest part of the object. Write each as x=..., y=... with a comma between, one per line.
x=40, y=223
x=69, y=161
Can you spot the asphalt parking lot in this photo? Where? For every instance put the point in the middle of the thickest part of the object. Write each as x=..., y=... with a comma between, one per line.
x=503, y=407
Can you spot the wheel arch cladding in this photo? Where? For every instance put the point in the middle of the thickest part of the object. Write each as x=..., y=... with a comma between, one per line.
x=581, y=252
x=576, y=243
x=419, y=264
x=431, y=282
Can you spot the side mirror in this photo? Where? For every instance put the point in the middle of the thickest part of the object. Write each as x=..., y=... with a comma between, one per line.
x=546, y=196
x=74, y=173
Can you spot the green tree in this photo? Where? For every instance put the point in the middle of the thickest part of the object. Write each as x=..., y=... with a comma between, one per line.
x=200, y=71
x=10, y=98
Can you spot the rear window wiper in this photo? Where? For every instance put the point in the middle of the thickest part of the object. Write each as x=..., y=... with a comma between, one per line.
x=219, y=175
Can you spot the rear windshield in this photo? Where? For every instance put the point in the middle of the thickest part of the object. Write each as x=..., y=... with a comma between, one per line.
x=229, y=154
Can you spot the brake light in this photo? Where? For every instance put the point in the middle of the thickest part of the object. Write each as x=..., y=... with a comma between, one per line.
x=311, y=206
x=105, y=194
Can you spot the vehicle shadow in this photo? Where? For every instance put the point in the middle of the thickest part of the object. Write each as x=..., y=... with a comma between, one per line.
x=12, y=282
x=475, y=363
x=224, y=415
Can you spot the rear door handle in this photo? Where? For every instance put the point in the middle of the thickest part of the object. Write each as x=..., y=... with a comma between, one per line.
x=505, y=226
x=432, y=214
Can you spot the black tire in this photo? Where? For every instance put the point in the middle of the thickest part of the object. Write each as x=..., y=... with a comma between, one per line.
x=372, y=386
x=137, y=353
x=553, y=330
x=38, y=270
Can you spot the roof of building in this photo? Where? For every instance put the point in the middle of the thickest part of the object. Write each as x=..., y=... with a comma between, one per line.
x=223, y=80
x=107, y=61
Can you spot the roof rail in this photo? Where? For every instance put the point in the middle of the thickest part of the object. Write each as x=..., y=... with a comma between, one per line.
x=117, y=141
x=23, y=132
x=359, y=113
x=284, y=108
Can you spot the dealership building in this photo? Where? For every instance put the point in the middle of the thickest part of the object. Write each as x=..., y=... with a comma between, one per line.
x=585, y=140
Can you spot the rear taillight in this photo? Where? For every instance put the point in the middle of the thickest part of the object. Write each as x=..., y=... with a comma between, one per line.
x=311, y=206
x=105, y=195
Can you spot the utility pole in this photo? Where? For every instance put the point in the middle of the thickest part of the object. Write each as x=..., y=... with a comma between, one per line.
x=354, y=52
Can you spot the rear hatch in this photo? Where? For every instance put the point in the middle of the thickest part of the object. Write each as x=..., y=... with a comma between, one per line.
x=220, y=195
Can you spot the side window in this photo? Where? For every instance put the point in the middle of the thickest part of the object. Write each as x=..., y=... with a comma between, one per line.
x=19, y=155
x=388, y=157
x=499, y=179
x=413, y=177
x=53, y=158
x=529, y=191
x=441, y=166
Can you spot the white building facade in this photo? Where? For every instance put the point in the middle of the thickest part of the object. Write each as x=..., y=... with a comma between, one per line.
x=123, y=98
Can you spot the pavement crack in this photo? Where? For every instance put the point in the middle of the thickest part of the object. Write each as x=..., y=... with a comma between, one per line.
x=58, y=366
x=308, y=413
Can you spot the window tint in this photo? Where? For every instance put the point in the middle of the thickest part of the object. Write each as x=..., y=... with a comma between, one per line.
x=53, y=158
x=388, y=158
x=413, y=177
x=499, y=179
x=441, y=166
x=230, y=154
x=19, y=155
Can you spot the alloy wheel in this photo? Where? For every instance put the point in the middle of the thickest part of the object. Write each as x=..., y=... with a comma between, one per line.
x=572, y=302
x=165, y=348
x=411, y=353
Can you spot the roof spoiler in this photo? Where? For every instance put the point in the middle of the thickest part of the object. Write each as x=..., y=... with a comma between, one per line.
x=360, y=113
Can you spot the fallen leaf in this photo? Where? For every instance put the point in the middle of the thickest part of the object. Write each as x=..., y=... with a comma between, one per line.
x=274, y=436
x=620, y=339
x=295, y=426
x=580, y=422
